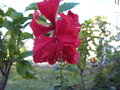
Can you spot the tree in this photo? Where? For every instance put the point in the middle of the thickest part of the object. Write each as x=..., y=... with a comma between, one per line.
x=12, y=49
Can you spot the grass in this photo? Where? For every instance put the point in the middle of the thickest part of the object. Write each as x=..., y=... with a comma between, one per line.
x=45, y=80
x=93, y=77
x=16, y=82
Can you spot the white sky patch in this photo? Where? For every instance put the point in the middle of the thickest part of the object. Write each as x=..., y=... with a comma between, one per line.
x=86, y=8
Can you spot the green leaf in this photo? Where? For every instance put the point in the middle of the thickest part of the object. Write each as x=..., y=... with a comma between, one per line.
x=15, y=15
x=82, y=34
x=9, y=11
x=42, y=18
x=1, y=12
x=56, y=69
x=82, y=63
x=21, y=20
x=26, y=35
x=66, y=6
x=25, y=25
x=26, y=54
x=72, y=68
x=1, y=22
x=18, y=18
x=32, y=6
x=3, y=52
x=25, y=69
x=8, y=25
x=94, y=43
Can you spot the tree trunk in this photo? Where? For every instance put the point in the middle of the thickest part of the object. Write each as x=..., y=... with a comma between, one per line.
x=3, y=82
x=4, y=77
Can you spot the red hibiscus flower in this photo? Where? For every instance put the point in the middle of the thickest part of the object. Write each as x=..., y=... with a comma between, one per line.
x=64, y=39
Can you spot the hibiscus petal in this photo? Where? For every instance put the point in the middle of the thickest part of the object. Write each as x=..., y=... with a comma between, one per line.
x=46, y=49
x=75, y=19
x=51, y=52
x=66, y=32
x=37, y=59
x=70, y=55
x=66, y=25
x=38, y=29
x=69, y=40
x=36, y=15
x=49, y=9
x=40, y=42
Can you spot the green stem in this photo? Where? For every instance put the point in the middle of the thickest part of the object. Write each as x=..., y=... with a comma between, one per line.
x=61, y=74
x=18, y=42
x=81, y=75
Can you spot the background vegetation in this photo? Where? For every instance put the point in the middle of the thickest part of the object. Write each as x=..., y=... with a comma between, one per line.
x=98, y=72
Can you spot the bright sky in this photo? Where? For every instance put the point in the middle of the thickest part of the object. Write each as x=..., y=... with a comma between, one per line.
x=86, y=9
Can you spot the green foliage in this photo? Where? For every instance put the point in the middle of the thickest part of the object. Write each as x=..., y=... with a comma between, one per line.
x=25, y=69
x=1, y=17
x=26, y=54
x=16, y=15
x=32, y=6
x=72, y=68
x=8, y=25
x=45, y=80
x=66, y=6
x=10, y=11
x=1, y=22
x=42, y=18
x=105, y=49
x=56, y=69
x=86, y=35
x=1, y=12
x=12, y=43
x=108, y=77
x=26, y=35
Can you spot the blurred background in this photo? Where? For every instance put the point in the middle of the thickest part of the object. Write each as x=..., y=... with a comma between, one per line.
x=99, y=64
